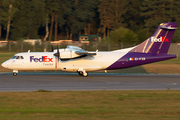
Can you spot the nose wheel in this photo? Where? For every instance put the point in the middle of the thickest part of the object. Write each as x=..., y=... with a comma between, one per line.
x=14, y=74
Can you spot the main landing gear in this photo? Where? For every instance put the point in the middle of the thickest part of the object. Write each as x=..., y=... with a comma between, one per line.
x=15, y=72
x=82, y=72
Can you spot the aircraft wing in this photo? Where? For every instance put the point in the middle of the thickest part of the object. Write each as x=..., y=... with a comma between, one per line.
x=73, y=52
x=85, y=53
x=80, y=51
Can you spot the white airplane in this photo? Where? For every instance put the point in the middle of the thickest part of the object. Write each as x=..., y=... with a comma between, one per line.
x=75, y=59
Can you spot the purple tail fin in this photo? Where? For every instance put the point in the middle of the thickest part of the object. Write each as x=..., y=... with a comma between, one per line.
x=160, y=41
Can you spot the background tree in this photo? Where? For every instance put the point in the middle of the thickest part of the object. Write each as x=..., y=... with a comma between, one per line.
x=90, y=8
x=60, y=19
x=81, y=15
x=52, y=8
x=65, y=19
x=133, y=18
x=1, y=10
x=8, y=10
x=156, y=12
x=111, y=15
x=118, y=9
x=28, y=19
x=174, y=10
x=48, y=8
x=104, y=16
x=123, y=35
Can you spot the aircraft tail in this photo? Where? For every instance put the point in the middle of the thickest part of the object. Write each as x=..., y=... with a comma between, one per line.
x=160, y=41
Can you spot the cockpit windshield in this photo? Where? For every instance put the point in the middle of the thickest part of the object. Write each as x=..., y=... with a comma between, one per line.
x=14, y=57
x=17, y=57
x=22, y=57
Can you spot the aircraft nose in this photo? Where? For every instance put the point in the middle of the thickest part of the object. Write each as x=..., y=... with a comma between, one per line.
x=4, y=64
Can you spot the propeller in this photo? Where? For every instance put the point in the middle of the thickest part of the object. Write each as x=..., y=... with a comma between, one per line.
x=57, y=55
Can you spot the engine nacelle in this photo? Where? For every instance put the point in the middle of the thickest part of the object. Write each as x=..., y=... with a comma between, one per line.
x=68, y=54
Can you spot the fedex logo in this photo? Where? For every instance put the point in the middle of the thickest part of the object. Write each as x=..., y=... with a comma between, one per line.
x=42, y=59
x=161, y=39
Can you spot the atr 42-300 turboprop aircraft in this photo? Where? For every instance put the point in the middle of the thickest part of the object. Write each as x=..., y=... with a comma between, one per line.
x=75, y=59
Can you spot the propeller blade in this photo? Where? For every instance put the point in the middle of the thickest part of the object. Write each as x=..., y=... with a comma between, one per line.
x=58, y=51
x=57, y=54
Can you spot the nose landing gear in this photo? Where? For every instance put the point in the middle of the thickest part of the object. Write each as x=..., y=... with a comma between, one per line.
x=15, y=72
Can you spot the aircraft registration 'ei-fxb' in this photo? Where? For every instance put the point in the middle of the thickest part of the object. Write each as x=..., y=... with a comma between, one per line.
x=75, y=59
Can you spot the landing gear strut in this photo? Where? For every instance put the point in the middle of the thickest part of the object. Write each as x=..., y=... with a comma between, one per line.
x=82, y=72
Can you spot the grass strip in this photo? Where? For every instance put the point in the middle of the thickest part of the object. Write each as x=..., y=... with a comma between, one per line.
x=90, y=105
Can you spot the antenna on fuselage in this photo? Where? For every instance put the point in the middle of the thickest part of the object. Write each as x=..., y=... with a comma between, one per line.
x=28, y=51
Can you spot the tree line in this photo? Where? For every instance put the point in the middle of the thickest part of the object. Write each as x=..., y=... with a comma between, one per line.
x=66, y=19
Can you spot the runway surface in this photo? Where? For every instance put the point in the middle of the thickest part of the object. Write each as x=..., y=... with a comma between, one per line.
x=95, y=81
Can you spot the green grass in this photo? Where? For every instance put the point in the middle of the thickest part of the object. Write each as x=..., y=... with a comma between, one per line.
x=5, y=56
x=171, y=61
x=90, y=105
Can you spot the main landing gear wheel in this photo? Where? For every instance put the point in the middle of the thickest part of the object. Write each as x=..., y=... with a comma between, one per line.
x=80, y=73
x=15, y=74
x=84, y=74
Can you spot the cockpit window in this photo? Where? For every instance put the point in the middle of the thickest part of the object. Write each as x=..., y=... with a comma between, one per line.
x=14, y=57
x=17, y=57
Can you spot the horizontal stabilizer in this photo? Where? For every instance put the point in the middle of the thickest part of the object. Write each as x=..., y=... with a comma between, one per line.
x=169, y=28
